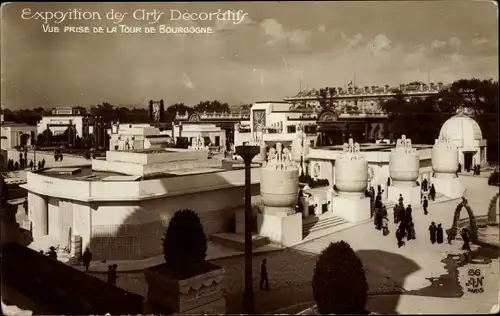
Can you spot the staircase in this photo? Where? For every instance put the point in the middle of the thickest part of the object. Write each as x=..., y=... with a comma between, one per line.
x=314, y=223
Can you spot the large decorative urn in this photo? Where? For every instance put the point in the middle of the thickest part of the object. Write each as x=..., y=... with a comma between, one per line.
x=351, y=170
x=404, y=169
x=351, y=180
x=279, y=190
x=444, y=158
x=279, y=184
x=445, y=166
x=404, y=163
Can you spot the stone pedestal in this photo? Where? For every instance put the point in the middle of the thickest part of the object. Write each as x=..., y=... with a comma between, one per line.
x=280, y=228
x=330, y=195
x=200, y=294
x=353, y=208
x=448, y=186
x=411, y=194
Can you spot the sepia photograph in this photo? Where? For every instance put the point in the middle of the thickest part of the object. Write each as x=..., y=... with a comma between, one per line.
x=249, y=157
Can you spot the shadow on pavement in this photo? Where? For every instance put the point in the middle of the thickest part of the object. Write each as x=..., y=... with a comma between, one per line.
x=448, y=285
x=290, y=276
x=386, y=273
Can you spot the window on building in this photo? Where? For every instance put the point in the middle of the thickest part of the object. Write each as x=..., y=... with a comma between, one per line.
x=290, y=129
x=217, y=140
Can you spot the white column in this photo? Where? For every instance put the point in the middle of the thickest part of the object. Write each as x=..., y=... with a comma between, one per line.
x=38, y=214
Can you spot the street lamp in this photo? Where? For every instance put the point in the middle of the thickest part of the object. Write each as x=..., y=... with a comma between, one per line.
x=247, y=153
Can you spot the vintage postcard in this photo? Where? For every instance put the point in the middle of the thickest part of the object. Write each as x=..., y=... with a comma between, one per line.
x=314, y=157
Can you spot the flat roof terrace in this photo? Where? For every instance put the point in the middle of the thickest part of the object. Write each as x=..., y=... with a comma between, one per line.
x=87, y=185
x=85, y=173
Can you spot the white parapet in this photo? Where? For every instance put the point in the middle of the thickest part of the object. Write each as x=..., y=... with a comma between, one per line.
x=354, y=210
x=281, y=229
x=411, y=194
x=449, y=186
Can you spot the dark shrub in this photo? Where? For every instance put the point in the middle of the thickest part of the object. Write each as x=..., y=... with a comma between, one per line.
x=339, y=281
x=493, y=178
x=185, y=243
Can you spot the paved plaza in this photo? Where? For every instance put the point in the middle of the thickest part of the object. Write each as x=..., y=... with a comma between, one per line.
x=417, y=278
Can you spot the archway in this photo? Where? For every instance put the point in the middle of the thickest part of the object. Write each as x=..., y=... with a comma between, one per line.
x=472, y=221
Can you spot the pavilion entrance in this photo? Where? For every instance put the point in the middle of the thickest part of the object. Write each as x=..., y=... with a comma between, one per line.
x=468, y=160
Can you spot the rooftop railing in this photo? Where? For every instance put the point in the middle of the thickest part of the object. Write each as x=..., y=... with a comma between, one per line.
x=374, y=91
x=215, y=116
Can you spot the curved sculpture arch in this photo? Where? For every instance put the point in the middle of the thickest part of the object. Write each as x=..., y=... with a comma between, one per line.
x=472, y=221
x=492, y=211
x=195, y=117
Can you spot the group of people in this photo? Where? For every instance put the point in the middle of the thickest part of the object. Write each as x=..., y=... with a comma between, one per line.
x=476, y=169
x=406, y=226
x=112, y=275
x=436, y=233
x=379, y=211
x=23, y=163
x=52, y=253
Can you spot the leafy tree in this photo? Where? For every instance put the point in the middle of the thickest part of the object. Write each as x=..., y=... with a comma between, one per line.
x=185, y=243
x=339, y=282
x=212, y=106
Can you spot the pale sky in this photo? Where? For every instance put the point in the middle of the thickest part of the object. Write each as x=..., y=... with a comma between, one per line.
x=278, y=46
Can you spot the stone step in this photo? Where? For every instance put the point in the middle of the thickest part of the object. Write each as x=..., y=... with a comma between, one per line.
x=236, y=241
x=314, y=224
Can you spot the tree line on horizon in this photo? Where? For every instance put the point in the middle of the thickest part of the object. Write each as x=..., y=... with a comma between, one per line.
x=419, y=118
x=111, y=112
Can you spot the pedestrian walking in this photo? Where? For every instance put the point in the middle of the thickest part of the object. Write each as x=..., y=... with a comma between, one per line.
x=399, y=237
x=432, y=192
x=466, y=238
x=411, y=231
x=450, y=235
x=385, y=226
x=263, y=276
x=425, y=185
x=432, y=231
x=408, y=215
x=86, y=259
x=112, y=274
x=439, y=234
x=378, y=218
x=400, y=200
x=425, y=205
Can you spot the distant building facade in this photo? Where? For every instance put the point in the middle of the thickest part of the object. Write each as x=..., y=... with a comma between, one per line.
x=62, y=118
x=16, y=134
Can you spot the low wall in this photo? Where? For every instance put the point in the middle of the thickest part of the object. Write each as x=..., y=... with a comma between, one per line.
x=132, y=231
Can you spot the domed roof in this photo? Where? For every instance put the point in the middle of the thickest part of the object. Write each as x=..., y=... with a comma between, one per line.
x=461, y=130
